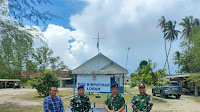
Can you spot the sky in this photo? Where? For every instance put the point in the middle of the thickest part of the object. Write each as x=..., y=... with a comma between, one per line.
x=121, y=24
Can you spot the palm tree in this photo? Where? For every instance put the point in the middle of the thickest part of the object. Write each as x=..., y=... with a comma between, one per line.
x=176, y=58
x=171, y=34
x=162, y=24
x=188, y=23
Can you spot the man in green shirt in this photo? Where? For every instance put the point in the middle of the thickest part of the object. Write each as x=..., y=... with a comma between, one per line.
x=142, y=102
x=80, y=102
x=114, y=102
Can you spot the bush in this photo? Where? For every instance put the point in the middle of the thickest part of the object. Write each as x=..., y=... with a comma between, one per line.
x=44, y=81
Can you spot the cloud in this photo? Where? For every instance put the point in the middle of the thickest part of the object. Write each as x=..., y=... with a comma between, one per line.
x=122, y=24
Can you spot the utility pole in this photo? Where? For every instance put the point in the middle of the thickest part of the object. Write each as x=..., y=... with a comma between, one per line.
x=98, y=46
x=98, y=58
x=126, y=64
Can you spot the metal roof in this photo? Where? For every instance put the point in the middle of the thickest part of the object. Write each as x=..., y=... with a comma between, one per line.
x=176, y=76
x=64, y=78
x=9, y=80
x=98, y=72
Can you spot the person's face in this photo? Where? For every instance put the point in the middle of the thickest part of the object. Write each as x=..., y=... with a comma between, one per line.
x=114, y=90
x=142, y=90
x=81, y=92
x=53, y=91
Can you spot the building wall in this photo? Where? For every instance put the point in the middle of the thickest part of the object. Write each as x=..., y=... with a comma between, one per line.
x=127, y=80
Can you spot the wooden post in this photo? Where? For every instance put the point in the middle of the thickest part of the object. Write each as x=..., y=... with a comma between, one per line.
x=196, y=89
x=74, y=84
x=5, y=84
x=123, y=84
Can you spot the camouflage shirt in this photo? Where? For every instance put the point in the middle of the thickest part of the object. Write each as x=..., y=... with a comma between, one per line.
x=114, y=102
x=80, y=103
x=142, y=102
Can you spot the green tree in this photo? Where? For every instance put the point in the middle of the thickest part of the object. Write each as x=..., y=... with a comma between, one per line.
x=22, y=10
x=16, y=40
x=170, y=34
x=176, y=58
x=44, y=60
x=188, y=23
x=189, y=60
x=44, y=81
x=162, y=25
x=142, y=63
x=149, y=76
x=195, y=78
x=15, y=46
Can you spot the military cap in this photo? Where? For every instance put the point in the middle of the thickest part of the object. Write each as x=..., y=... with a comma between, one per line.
x=81, y=86
x=141, y=86
x=114, y=85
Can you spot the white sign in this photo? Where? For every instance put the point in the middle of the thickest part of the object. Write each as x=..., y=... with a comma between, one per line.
x=94, y=83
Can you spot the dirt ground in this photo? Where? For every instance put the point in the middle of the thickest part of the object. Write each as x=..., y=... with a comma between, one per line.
x=184, y=104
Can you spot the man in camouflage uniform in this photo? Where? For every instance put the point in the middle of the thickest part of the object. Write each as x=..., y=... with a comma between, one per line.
x=142, y=102
x=80, y=102
x=114, y=102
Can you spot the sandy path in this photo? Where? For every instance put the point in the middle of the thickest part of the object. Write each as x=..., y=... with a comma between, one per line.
x=183, y=104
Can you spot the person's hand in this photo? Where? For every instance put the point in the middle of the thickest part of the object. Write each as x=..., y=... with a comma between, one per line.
x=111, y=111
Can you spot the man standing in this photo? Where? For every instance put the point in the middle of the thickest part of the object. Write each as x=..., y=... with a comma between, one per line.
x=114, y=102
x=53, y=103
x=142, y=102
x=80, y=102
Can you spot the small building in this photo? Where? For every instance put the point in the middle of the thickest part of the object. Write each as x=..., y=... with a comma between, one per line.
x=127, y=80
x=65, y=80
x=99, y=73
x=8, y=83
x=188, y=87
x=30, y=74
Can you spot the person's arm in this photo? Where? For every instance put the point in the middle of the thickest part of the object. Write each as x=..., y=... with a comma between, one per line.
x=121, y=109
x=61, y=105
x=72, y=104
x=133, y=101
x=106, y=107
x=123, y=105
x=89, y=105
x=150, y=104
x=46, y=106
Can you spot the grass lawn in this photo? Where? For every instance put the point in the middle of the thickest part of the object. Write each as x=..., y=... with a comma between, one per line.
x=195, y=99
x=9, y=107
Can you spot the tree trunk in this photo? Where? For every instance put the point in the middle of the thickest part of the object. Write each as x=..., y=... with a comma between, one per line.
x=168, y=56
x=165, y=53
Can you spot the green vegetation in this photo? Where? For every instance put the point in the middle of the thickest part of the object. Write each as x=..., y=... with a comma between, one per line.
x=195, y=99
x=10, y=107
x=16, y=40
x=44, y=81
x=146, y=74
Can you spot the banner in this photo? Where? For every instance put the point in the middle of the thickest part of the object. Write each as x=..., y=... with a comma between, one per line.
x=94, y=83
